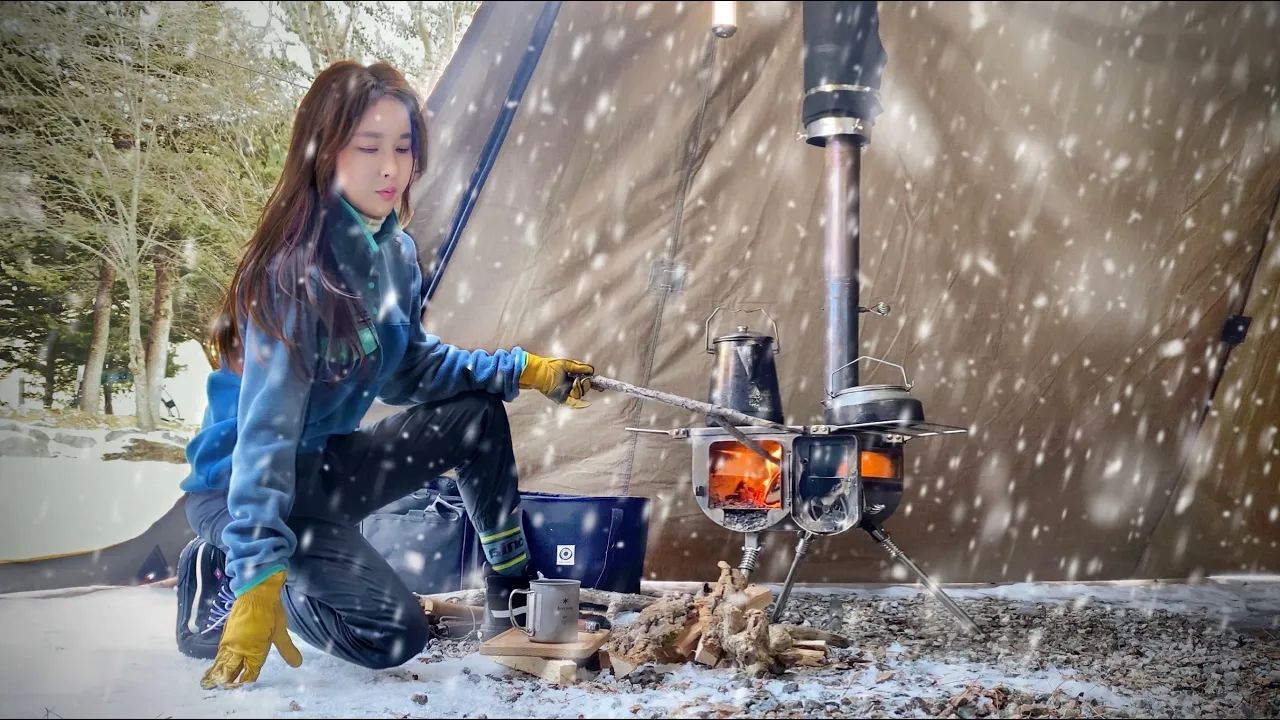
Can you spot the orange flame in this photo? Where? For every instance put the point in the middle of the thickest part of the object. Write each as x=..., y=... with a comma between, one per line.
x=872, y=464
x=741, y=479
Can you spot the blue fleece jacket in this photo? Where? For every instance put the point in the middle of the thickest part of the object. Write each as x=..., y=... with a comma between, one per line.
x=258, y=422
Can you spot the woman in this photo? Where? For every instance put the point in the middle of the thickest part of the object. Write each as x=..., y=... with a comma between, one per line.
x=323, y=316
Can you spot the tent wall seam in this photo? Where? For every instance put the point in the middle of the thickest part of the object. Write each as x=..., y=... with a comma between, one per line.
x=493, y=146
x=688, y=154
x=1249, y=275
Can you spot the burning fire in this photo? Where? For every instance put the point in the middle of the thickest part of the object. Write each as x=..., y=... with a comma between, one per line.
x=872, y=464
x=741, y=479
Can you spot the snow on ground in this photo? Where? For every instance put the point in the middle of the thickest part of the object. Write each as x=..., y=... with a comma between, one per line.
x=110, y=652
x=1059, y=649
x=62, y=496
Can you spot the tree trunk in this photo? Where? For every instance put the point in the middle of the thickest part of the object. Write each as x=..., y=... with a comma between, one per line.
x=98, y=340
x=161, y=322
x=138, y=362
x=50, y=367
x=106, y=400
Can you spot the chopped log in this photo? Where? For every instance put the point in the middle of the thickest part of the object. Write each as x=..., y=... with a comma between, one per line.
x=800, y=656
x=444, y=608
x=779, y=639
x=749, y=648
x=621, y=666
x=616, y=603
x=723, y=625
x=798, y=632
x=707, y=654
x=810, y=645
x=690, y=636
x=561, y=672
x=653, y=636
x=753, y=597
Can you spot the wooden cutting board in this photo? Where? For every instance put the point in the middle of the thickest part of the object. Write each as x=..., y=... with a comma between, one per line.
x=515, y=643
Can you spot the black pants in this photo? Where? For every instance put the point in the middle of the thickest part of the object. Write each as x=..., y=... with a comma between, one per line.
x=340, y=595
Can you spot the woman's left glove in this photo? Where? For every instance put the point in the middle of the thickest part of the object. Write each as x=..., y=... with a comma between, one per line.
x=257, y=621
x=564, y=381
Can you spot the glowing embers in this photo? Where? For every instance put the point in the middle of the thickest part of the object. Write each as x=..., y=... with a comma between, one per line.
x=882, y=465
x=740, y=479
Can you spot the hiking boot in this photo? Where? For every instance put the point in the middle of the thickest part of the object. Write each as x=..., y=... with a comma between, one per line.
x=204, y=599
x=497, y=619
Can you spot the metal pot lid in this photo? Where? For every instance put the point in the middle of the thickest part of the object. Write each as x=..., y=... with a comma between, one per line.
x=878, y=390
x=742, y=332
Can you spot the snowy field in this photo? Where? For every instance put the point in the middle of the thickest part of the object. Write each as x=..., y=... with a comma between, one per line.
x=1053, y=650
x=61, y=496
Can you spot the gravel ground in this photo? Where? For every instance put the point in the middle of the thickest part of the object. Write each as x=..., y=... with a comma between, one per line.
x=1167, y=664
x=1077, y=655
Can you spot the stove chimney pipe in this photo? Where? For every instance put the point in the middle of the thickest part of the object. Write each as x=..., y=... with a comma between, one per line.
x=843, y=62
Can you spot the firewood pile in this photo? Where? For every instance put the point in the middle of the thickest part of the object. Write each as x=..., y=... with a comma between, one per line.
x=723, y=625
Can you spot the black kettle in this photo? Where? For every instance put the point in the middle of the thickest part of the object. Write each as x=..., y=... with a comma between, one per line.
x=745, y=377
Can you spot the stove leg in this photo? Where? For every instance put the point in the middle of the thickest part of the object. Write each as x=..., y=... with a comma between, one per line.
x=750, y=554
x=802, y=549
x=960, y=615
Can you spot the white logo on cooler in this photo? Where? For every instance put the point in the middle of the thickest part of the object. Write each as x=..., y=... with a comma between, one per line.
x=565, y=554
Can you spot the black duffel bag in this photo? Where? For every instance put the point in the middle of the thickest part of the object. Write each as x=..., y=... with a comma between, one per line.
x=428, y=540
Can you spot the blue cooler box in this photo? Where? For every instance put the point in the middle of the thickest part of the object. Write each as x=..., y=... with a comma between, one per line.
x=599, y=541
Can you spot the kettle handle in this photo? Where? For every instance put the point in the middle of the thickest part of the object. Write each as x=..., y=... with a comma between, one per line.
x=777, y=339
x=905, y=382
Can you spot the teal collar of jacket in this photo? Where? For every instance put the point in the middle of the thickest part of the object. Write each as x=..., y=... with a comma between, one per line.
x=357, y=252
x=390, y=228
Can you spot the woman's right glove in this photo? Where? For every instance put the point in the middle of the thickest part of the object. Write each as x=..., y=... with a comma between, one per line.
x=257, y=621
x=564, y=381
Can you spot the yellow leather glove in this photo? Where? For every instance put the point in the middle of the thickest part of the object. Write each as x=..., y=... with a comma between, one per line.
x=564, y=381
x=257, y=621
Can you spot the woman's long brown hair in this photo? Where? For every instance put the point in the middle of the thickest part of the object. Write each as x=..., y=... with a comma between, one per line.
x=287, y=243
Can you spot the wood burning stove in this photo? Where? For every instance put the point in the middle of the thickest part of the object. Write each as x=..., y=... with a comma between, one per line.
x=751, y=473
x=816, y=480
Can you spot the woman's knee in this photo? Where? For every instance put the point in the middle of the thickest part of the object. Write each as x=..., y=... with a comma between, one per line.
x=399, y=647
x=207, y=515
x=365, y=641
x=478, y=415
x=475, y=402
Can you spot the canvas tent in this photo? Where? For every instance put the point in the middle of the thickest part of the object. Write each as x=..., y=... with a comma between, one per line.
x=149, y=557
x=1062, y=202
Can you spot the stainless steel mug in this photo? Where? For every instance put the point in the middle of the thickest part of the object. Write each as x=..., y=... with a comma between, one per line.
x=551, y=611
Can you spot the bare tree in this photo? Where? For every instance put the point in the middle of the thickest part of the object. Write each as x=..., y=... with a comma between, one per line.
x=119, y=105
x=417, y=37
x=91, y=385
x=439, y=28
x=329, y=31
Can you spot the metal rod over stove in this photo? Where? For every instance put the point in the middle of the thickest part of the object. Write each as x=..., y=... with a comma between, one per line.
x=600, y=382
